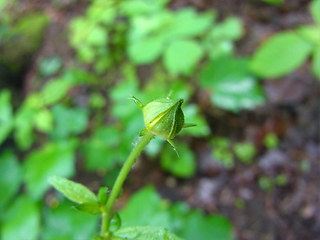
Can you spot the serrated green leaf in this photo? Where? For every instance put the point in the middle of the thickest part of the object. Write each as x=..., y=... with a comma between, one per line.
x=280, y=55
x=6, y=117
x=21, y=220
x=89, y=207
x=10, y=177
x=51, y=159
x=74, y=191
x=315, y=10
x=145, y=233
x=184, y=165
x=182, y=56
x=316, y=63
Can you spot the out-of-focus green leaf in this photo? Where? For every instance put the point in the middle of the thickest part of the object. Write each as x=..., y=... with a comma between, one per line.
x=245, y=151
x=55, y=90
x=188, y=23
x=143, y=233
x=10, y=177
x=184, y=165
x=65, y=223
x=199, y=226
x=6, y=118
x=43, y=120
x=192, y=115
x=21, y=220
x=24, y=122
x=52, y=159
x=101, y=150
x=280, y=55
x=316, y=63
x=232, y=85
x=182, y=56
x=74, y=191
x=310, y=33
x=230, y=29
x=315, y=10
x=178, y=218
x=274, y=2
x=138, y=7
x=155, y=213
x=146, y=50
x=68, y=121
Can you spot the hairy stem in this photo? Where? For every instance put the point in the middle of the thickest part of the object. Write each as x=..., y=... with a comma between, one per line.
x=120, y=180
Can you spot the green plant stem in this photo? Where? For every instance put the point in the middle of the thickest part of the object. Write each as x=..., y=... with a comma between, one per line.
x=120, y=180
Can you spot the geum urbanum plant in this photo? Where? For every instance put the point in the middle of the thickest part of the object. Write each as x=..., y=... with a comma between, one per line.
x=162, y=117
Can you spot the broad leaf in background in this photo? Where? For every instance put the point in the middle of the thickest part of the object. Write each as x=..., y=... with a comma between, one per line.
x=64, y=223
x=145, y=232
x=52, y=159
x=315, y=10
x=184, y=165
x=316, y=63
x=21, y=220
x=6, y=118
x=10, y=177
x=177, y=218
x=232, y=85
x=182, y=56
x=280, y=55
x=74, y=191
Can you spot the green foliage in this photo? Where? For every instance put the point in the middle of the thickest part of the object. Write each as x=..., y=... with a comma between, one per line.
x=274, y=2
x=315, y=10
x=276, y=57
x=222, y=151
x=74, y=191
x=142, y=233
x=10, y=178
x=316, y=63
x=50, y=66
x=52, y=159
x=232, y=85
x=61, y=222
x=182, y=165
x=21, y=220
x=186, y=223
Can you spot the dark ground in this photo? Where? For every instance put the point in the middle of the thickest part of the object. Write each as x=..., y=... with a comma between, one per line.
x=288, y=212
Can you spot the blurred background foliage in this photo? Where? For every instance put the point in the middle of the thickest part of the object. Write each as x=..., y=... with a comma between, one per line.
x=77, y=121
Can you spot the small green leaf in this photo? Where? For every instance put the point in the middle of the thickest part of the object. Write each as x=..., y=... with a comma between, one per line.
x=310, y=33
x=103, y=195
x=143, y=233
x=245, y=151
x=184, y=165
x=21, y=220
x=43, y=120
x=230, y=29
x=315, y=10
x=88, y=207
x=50, y=66
x=316, y=63
x=280, y=55
x=74, y=191
x=182, y=56
x=55, y=90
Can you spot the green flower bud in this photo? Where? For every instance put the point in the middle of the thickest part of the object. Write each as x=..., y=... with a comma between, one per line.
x=164, y=117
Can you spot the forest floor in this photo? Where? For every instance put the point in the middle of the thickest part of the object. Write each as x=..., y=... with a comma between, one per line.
x=289, y=211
